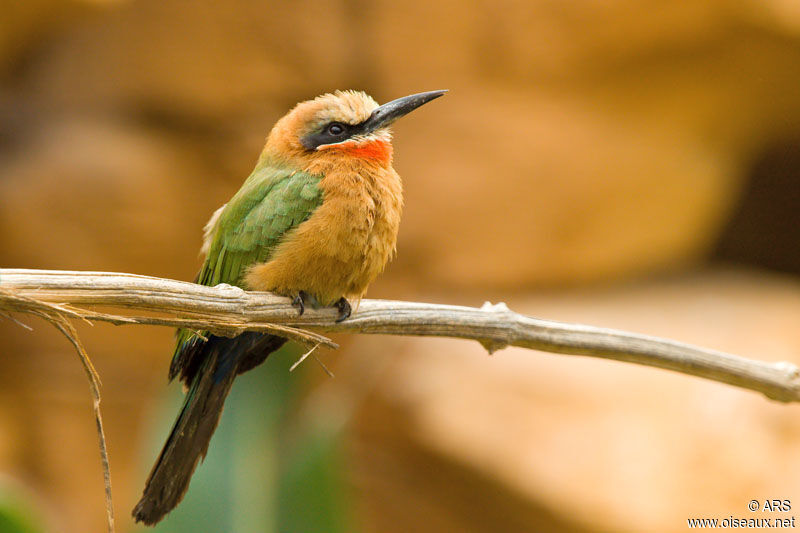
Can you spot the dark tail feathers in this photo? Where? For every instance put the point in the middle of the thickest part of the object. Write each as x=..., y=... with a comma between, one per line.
x=221, y=359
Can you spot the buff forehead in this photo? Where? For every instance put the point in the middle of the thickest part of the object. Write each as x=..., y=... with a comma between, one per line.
x=351, y=107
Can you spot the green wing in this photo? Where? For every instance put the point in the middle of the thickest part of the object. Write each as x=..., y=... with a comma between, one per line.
x=271, y=202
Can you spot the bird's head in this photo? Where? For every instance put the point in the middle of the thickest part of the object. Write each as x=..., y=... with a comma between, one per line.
x=343, y=124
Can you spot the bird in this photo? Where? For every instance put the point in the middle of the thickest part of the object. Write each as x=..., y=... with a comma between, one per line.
x=316, y=221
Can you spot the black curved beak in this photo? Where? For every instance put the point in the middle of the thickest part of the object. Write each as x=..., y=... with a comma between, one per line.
x=391, y=111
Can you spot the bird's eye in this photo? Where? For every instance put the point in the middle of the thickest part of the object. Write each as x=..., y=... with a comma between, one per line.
x=335, y=129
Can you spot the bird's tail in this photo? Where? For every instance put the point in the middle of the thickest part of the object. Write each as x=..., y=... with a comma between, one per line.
x=220, y=360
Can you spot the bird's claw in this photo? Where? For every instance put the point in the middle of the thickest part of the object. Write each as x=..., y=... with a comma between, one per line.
x=343, y=306
x=300, y=302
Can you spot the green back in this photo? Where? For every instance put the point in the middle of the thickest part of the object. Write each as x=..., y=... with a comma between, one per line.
x=272, y=201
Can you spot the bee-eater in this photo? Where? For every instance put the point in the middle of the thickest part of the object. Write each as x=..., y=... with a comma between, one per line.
x=317, y=221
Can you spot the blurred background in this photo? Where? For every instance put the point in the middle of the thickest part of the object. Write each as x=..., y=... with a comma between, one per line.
x=629, y=164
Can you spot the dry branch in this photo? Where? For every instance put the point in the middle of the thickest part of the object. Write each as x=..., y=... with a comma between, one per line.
x=227, y=310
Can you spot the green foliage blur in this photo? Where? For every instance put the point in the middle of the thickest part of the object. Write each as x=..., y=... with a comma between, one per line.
x=17, y=513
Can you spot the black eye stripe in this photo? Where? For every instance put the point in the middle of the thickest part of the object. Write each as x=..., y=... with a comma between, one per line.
x=332, y=132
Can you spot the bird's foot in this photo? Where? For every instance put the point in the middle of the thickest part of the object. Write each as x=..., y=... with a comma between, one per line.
x=343, y=306
x=301, y=300
x=304, y=299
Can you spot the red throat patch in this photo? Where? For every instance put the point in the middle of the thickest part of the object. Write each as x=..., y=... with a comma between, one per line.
x=378, y=149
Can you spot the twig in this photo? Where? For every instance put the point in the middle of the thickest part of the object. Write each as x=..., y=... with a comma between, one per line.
x=65, y=327
x=302, y=358
x=226, y=310
x=57, y=316
x=17, y=322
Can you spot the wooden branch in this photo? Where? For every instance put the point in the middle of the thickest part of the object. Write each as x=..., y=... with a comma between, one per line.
x=226, y=310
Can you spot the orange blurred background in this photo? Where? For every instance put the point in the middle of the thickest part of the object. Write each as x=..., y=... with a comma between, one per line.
x=629, y=164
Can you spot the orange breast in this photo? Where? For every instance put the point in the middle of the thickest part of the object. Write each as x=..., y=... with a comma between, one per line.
x=348, y=240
